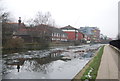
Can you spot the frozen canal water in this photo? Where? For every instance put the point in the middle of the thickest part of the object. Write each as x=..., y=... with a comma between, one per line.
x=41, y=65
x=55, y=70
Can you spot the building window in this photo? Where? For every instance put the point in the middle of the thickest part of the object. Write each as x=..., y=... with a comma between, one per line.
x=52, y=34
x=57, y=34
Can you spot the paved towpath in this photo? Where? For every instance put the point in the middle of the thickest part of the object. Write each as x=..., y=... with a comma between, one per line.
x=109, y=64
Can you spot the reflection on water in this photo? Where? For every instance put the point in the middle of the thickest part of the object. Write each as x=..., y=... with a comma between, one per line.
x=46, y=64
x=32, y=65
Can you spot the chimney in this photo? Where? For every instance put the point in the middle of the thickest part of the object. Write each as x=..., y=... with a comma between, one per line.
x=19, y=21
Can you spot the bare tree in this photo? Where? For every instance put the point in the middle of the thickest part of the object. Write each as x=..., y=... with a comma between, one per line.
x=1, y=13
x=42, y=18
x=4, y=15
x=7, y=29
x=30, y=22
x=52, y=22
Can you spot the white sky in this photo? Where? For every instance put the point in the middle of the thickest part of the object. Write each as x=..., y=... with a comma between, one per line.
x=77, y=13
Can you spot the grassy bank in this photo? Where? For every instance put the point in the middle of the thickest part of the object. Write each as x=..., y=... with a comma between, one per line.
x=34, y=46
x=91, y=68
x=25, y=47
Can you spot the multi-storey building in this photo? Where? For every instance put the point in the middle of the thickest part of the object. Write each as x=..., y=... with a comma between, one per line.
x=93, y=33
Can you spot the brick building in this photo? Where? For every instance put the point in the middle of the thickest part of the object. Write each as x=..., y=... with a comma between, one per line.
x=73, y=33
x=48, y=33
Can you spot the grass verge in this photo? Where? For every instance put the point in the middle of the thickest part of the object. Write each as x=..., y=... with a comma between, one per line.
x=92, y=69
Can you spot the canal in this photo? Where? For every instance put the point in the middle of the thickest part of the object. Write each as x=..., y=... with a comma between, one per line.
x=55, y=63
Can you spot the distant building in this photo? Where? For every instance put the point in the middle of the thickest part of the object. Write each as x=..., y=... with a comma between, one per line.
x=73, y=33
x=15, y=26
x=48, y=33
x=93, y=33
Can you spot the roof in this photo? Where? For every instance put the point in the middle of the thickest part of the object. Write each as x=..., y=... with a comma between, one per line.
x=69, y=28
x=16, y=24
x=51, y=29
x=56, y=30
x=38, y=30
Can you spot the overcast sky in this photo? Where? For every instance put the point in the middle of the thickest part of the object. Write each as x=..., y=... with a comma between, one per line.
x=77, y=13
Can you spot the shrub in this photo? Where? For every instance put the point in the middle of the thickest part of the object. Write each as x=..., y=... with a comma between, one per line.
x=13, y=45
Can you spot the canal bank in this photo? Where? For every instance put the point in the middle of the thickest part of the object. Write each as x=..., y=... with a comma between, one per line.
x=34, y=46
x=89, y=71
